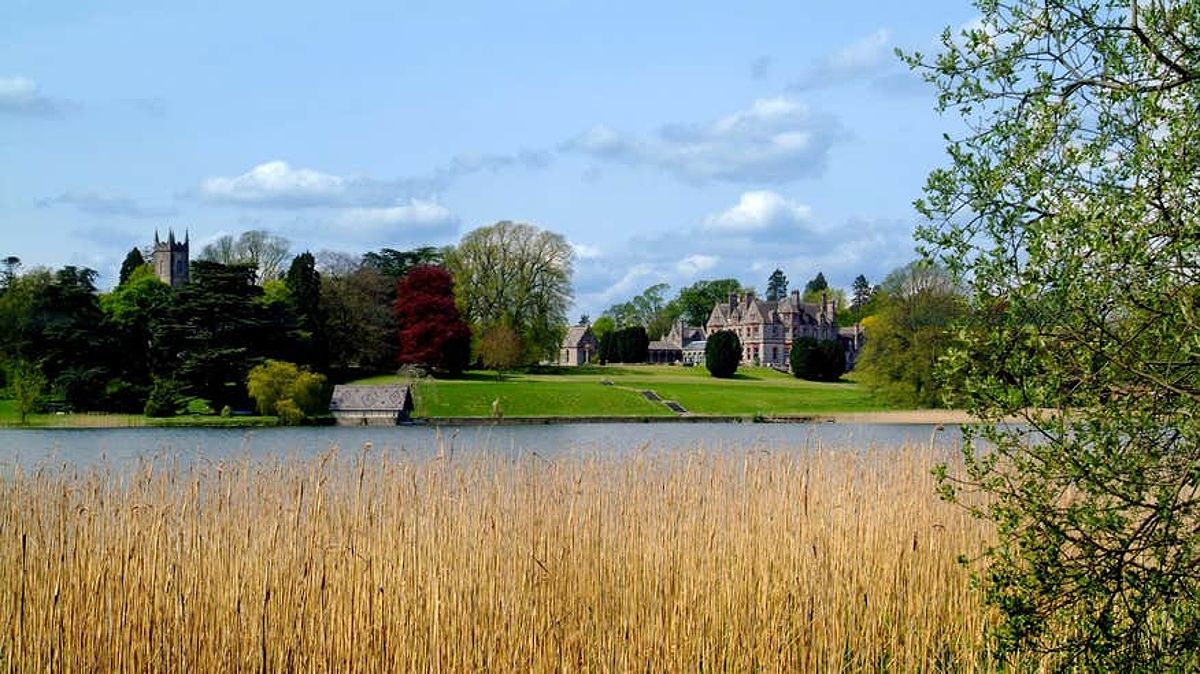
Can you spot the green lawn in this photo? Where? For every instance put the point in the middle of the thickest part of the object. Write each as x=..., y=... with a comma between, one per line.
x=614, y=391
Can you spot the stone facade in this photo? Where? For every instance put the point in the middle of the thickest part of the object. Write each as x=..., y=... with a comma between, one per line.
x=578, y=347
x=766, y=328
x=671, y=348
x=170, y=259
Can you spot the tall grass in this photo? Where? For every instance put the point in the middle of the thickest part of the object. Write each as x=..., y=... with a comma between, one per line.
x=807, y=560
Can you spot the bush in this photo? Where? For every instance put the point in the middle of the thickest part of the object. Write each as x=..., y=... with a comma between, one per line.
x=289, y=414
x=276, y=381
x=627, y=345
x=722, y=354
x=817, y=360
x=163, y=400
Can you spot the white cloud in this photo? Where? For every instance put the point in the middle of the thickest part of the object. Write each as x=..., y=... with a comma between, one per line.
x=759, y=212
x=21, y=96
x=278, y=183
x=586, y=252
x=418, y=215
x=775, y=140
x=866, y=56
x=695, y=264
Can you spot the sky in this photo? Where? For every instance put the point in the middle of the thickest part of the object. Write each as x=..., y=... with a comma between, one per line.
x=668, y=142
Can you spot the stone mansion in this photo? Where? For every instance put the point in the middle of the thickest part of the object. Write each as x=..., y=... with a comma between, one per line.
x=766, y=328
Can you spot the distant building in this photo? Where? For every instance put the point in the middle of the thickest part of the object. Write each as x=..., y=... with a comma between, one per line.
x=578, y=347
x=670, y=349
x=767, y=328
x=357, y=405
x=171, y=259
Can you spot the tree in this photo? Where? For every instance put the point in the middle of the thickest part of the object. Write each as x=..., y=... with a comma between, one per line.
x=430, y=330
x=695, y=302
x=130, y=312
x=358, y=321
x=602, y=326
x=1069, y=210
x=649, y=310
x=395, y=264
x=817, y=360
x=910, y=334
x=282, y=389
x=626, y=345
x=216, y=329
x=133, y=261
x=304, y=289
x=26, y=383
x=777, y=286
x=500, y=349
x=816, y=285
x=860, y=294
x=263, y=251
x=722, y=353
x=518, y=273
x=12, y=265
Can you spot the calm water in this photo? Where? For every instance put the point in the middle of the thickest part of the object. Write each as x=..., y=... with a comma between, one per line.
x=82, y=447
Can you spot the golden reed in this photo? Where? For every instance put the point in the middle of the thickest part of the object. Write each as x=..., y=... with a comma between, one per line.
x=709, y=560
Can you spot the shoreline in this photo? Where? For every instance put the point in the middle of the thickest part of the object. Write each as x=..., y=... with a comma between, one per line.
x=892, y=417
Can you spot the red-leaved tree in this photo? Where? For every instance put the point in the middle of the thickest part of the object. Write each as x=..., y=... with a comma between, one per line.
x=431, y=331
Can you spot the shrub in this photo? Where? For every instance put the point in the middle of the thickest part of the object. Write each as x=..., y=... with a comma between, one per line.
x=722, y=353
x=289, y=414
x=163, y=400
x=276, y=381
x=817, y=360
x=627, y=345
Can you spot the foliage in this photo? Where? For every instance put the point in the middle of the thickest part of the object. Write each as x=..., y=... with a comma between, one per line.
x=861, y=292
x=1070, y=210
x=696, y=302
x=649, y=310
x=430, y=330
x=280, y=388
x=288, y=412
x=26, y=384
x=911, y=332
x=817, y=360
x=816, y=285
x=722, y=353
x=602, y=326
x=133, y=261
x=500, y=348
x=395, y=264
x=165, y=399
x=516, y=273
x=358, y=323
x=777, y=286
x=214, y=331
x=627, y=345
x=262, y=251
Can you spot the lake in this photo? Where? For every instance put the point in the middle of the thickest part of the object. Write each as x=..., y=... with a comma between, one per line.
x=83, y=447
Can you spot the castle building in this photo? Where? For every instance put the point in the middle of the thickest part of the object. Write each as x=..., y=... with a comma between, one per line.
x=171, y=259
x=766, y=328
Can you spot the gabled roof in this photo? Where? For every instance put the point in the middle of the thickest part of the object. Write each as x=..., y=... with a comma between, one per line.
x=576, y=334
x=359, y=398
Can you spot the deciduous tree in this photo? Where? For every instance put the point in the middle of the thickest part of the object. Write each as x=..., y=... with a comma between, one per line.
x=1070, y=207
x=518, y=273
x=430, y=330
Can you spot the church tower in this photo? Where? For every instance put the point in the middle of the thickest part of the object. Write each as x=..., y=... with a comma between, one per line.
x=171, y=259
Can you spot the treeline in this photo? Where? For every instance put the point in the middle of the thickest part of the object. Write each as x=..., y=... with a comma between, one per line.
x=147, y=347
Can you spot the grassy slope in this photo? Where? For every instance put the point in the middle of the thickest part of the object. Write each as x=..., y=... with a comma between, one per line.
x=580, y=392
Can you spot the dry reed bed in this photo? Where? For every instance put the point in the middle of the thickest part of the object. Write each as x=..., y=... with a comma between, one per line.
x=805, y=560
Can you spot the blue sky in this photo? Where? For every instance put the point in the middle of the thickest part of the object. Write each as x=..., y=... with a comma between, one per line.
x=669, y=142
